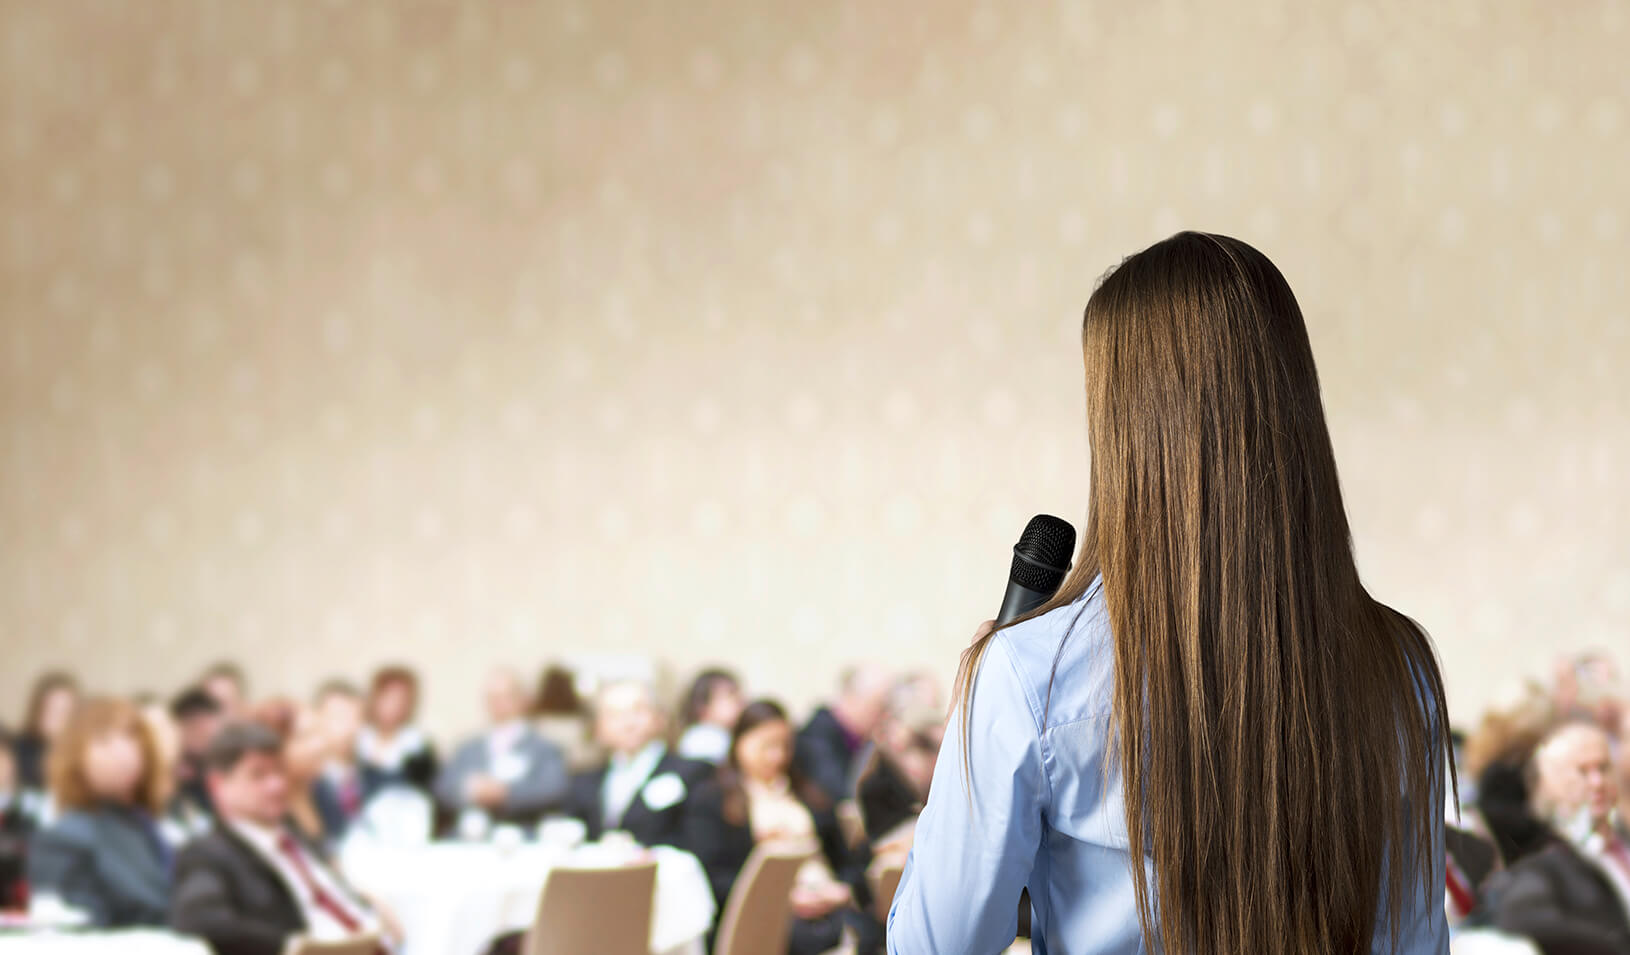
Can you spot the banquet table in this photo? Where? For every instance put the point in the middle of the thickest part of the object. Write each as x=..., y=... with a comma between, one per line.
x=145, y=942
x=453, y=898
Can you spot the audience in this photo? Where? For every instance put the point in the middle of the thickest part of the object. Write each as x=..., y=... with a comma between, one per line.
x=50, y=703
x=1572, y=897
x=391, y=749
x=758, y=796
x=641, y=790
x=712, y=707
x=196, y=716
x=507, y=774
x=226, y=683
x=104, y=853
x=20, y=811
x=836, y=742
x=253, y=882
x=559, y=716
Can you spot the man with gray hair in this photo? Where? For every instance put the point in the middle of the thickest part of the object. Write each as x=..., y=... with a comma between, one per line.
x=837, y=741
x=1572, y=897
x=642, y=788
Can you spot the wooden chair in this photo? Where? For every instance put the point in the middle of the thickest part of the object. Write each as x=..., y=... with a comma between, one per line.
x=361, y=945
x=594, y=912
x=758, y=914
x=888, y=880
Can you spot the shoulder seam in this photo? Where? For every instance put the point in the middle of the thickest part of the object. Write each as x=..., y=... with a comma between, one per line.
x=1035, y=711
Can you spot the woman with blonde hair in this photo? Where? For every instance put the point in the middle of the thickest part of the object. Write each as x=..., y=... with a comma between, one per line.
x=1213, y=740
x=105, y=854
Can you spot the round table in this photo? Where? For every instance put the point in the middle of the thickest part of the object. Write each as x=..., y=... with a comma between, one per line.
x=145, y=942
x=454, y=898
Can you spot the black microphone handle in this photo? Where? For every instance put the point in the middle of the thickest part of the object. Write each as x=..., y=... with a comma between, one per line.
x=1019, y=601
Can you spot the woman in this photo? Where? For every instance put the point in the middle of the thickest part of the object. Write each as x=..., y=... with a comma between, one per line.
x=711, y=709
x=1212, y=684
x=391, y=749
x=305, y=751
x=50, y=703
x=105, y=854
x=758, y=797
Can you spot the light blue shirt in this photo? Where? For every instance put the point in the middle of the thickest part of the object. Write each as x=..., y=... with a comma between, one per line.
x=1038, y=811
x=625, y=775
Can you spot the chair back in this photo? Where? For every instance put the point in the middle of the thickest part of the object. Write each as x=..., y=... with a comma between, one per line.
x=887, y=882
x=594, y=912
x=360, y=945
x=757, y=916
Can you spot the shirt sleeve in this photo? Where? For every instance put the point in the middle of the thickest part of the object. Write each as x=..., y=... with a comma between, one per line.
x=977, y=838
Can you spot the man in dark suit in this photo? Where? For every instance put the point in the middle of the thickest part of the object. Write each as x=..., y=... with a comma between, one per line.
x=198, y=716
x=251, y=883
x=643, y=787
x=837, y=741
x=1573, y=897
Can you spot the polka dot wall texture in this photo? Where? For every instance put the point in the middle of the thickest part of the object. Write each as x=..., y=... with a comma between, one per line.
x=458, y=333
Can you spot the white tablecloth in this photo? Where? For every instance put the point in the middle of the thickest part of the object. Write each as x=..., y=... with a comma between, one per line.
x=454, y=898
x=101, y=943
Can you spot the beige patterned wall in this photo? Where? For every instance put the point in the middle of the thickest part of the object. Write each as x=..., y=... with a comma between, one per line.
x=470, y=332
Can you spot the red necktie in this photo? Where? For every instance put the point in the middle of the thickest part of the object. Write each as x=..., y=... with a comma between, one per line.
x=1460, y=889
x=334, y=907
x=1619, y=856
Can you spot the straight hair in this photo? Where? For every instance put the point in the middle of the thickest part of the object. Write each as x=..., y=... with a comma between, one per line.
x=1280, y=734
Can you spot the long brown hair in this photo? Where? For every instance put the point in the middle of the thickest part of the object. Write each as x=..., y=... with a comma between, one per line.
x=732, y=789
x=1274, y=724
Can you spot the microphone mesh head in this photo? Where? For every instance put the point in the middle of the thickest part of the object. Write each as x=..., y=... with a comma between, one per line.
x=1042, y=556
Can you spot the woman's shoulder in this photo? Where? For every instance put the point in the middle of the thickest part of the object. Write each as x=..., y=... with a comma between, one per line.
x=1064, y=660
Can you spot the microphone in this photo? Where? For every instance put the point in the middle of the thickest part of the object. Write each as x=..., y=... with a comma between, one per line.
x=1041, y=558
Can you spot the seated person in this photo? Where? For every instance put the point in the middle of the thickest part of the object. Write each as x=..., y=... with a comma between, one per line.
x=197, y=716
x=19, y=816
x=51, y=702
x=391, y=750
x=895, y=786
x=1571, y=897
x=253, y=882
x=342, y=785
x=758, y=797
x=836, y=743
x=509, y=773
x=642, y=788
x=104, y=853
x=711, y=709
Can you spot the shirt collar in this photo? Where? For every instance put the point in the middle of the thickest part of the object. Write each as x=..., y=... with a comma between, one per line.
x=644, y=761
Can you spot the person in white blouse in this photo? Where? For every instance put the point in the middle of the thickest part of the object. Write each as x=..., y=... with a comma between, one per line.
x=391, y=750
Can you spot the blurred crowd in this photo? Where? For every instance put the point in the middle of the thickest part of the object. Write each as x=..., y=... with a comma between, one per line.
x=224, y=816
x=1538, y=848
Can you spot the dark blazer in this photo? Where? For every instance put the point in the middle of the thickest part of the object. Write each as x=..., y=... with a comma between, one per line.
x=886, y=797
x=722, y=846
x=229, y=896
x=30, y=751
x=1562, y=901
x=649, y=826
x=111, y=862
x=823, y=755
x=18, y=821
